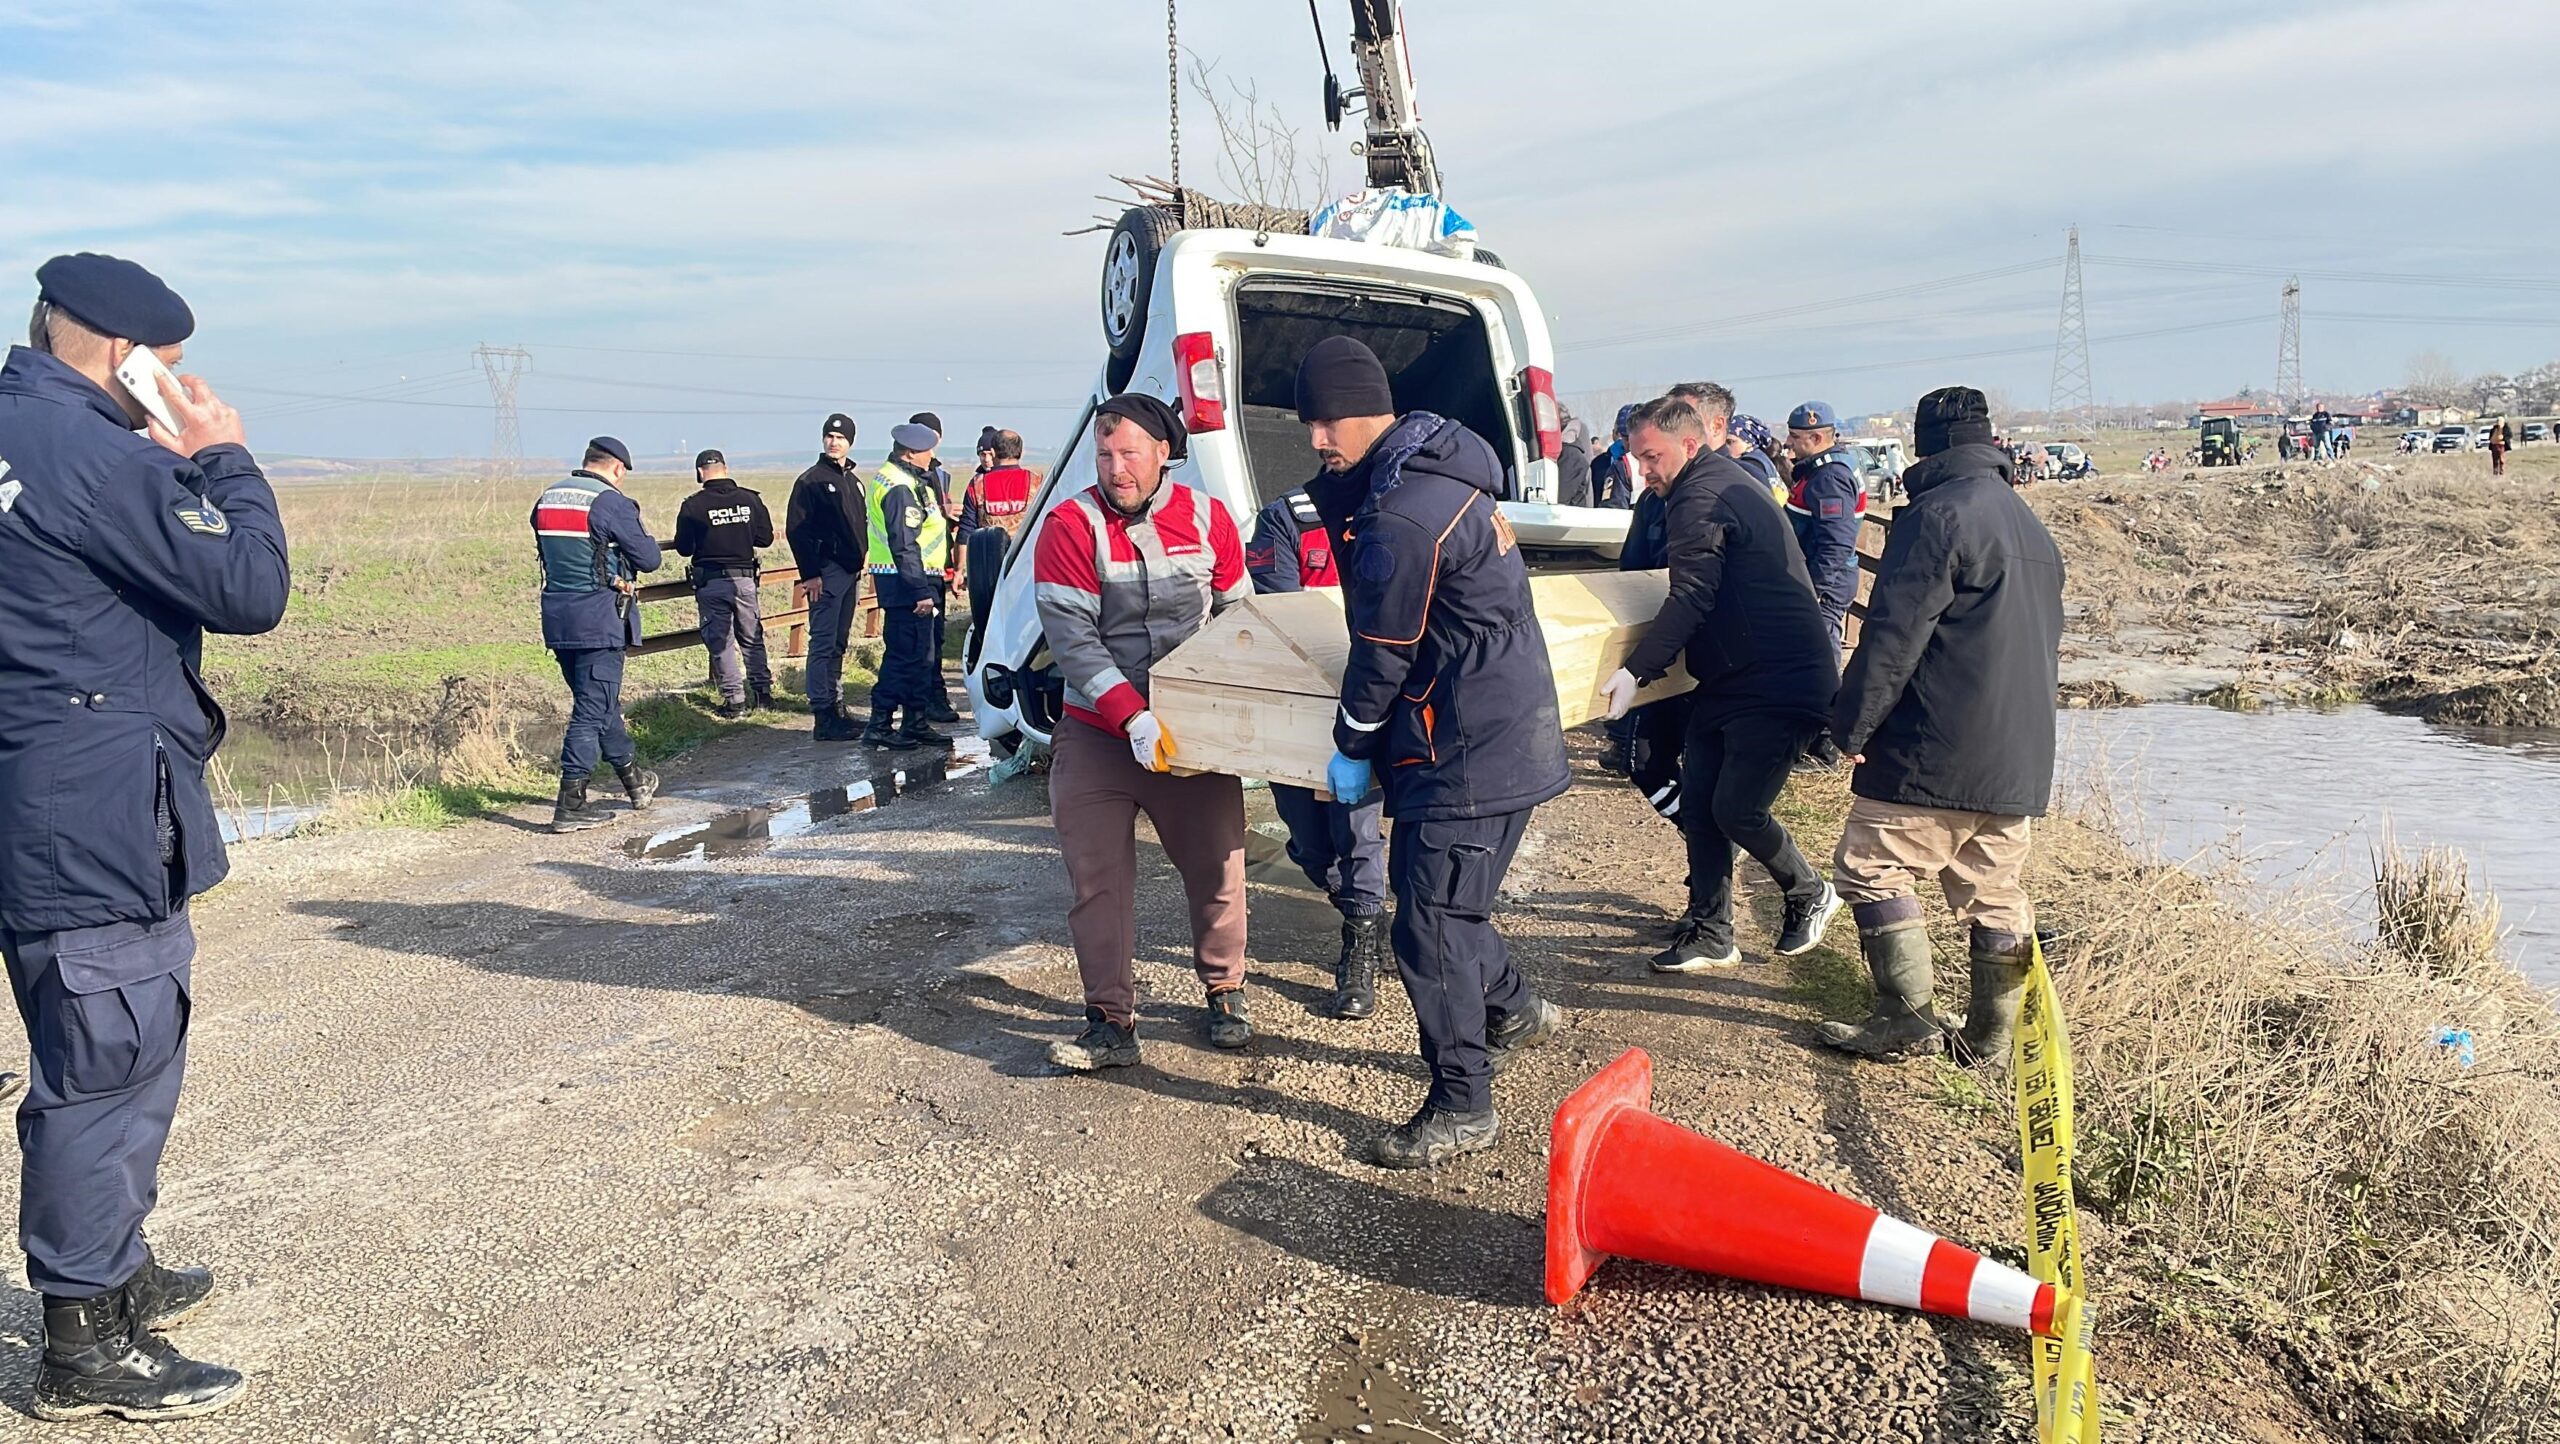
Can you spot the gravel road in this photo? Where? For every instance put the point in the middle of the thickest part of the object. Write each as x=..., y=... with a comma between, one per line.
x=492, y=1135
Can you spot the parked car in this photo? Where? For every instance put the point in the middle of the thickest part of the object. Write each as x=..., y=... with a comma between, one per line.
x=1216, y=321
x=2455, y=438
x=2066, y=461
x=2417, y=439
x=2534, y=432
x=1880, y=465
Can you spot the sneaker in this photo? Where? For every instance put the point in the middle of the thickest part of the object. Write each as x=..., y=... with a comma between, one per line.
x=1102, y=1044
x=1517, y=1032
x=1696, y=947
x=1806, y=920
x=1435, y=1136
x=1227, y=1027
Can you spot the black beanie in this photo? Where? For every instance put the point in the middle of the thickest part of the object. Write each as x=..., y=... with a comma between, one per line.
x=1950, y=416
x=1153, y=417
x=1339, y=378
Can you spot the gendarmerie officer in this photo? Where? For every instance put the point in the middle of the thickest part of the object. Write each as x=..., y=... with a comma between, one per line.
x=593, y=548
x=719, y=529
x=1448, y=701
x=1825, y=503
x=1341, y=848
x=121, y=552
x=910, y=540
x=829, y=536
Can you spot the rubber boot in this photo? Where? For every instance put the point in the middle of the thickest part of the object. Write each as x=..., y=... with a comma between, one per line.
x=1355, y=972
x=573, y=811
x=1904, y=1022
x=97, y=1360
x=638, y=783
x=1991, y=1015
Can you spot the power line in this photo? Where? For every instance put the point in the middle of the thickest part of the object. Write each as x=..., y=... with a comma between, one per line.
x=901, y=360
x=505, y=366
x=1781, y=313
x=2391, y=278
x=2038, y=349
x=1076, y=405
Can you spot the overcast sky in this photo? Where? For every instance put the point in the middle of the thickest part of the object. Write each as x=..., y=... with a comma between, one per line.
x=670, y=203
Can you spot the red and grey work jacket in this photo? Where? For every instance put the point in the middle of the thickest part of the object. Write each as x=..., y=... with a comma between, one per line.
x=1116, y=593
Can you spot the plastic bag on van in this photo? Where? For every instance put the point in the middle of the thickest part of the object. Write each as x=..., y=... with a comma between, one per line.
x=1398, y=217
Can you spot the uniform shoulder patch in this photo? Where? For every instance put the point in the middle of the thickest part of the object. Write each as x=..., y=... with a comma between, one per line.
x=915, y=516
x=203, y=518
x=1375, y=564
x=1504, y=538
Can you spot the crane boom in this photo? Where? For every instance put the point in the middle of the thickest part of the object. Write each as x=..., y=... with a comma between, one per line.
x=1398, y=153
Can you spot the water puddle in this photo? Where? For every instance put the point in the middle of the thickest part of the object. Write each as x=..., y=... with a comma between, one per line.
x=2307, y=795
x=891, y=777
x=1361, y=1399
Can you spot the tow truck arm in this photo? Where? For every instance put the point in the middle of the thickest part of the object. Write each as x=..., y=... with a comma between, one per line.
x=1397, y=151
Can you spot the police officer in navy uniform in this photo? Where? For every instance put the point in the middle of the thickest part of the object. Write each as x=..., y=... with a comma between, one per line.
x=909, y=542
x=719, y=530
x=947, y=500
x=1341, y=848
x=121, y=552
x=593, y=547
x=1825, y=503
x=1447, y=703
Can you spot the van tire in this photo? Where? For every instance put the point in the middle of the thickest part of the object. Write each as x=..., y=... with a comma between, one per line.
x=1486, y=257
x=1129, y=278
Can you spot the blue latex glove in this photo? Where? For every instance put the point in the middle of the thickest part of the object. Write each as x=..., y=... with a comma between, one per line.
x=1348, y=779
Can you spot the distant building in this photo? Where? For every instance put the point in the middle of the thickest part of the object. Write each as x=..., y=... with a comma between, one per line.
x=2248, y=411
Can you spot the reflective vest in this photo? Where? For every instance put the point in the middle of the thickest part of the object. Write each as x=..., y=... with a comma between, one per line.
x=572, y=559
x=923, y=519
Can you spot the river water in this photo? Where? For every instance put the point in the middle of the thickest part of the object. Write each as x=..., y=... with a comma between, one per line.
x=2303, y=797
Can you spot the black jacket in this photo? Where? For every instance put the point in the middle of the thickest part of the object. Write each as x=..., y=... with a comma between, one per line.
x=720, y=527
x=1951, y=692
x=1648, y=544
x=120, y=554
x=1447, y=690
x=1740, y=602
x=825, y=522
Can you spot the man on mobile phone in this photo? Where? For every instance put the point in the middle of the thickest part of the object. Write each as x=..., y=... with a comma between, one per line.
x=122, y=552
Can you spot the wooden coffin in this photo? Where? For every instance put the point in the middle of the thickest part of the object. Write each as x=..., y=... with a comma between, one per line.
x=1254, y=694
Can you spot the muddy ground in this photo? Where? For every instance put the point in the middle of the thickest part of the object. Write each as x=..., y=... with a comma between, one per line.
x=2419, y=583
x=492, y=1135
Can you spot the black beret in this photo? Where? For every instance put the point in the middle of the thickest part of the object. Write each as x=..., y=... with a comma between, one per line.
x=1153, y=416
x=116, y=298
x=1341, y=377
x=612, y=447
x=838, y=425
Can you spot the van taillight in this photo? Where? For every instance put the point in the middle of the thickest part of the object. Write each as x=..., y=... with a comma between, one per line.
x=1204, y=391
x=1546, y=418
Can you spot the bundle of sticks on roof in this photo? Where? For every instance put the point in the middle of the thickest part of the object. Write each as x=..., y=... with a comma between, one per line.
x=1196, y=210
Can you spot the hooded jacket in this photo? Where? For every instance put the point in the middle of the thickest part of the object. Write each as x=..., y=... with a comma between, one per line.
x=1740, y=603
x=1950, y=695
x=1447, y=690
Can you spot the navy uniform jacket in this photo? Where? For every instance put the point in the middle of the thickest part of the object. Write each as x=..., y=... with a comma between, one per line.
x=119, y=554
x=1289, y=542
x=1447, y=691
x=601, y=616
x=1826, y=504
x=901, y=579
x=1739, y=606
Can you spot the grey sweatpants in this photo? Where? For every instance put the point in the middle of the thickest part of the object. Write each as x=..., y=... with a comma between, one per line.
x=733, y=631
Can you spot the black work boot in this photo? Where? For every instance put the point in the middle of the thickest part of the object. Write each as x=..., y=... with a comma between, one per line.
x=760, y=696
x=1806, y=918
x=1226, y=1025
x=163, y=1297
x=832, y=725
x=939, y=709
x=97, y=1360
x=729, y=711
x=1355, y=972
x=1698, y=945
x=1904, y=1021
x=1435, y=1136
x=574, y=811
x=1517, y=1032
x=1102, y=1044
x=1991, y=1015
x=638, y=783
x=880, y=731
x=918, y=732
x=1614, y=760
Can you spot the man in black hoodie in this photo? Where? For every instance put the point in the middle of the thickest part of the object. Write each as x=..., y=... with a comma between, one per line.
x=1743, y=609
x=1948, y=713
x=1448, y=701
x=829, y=530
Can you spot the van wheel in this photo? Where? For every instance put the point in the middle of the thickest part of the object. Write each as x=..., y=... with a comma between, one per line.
x=1129, y=278
x=1485, y=257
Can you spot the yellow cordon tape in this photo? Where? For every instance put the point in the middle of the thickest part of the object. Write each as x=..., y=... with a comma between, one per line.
x=2066, y=1377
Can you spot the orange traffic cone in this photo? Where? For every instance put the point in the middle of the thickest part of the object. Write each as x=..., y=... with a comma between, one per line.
x=1623, y=1181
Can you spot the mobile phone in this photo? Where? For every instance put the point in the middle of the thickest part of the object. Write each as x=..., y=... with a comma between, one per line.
x=140, y=374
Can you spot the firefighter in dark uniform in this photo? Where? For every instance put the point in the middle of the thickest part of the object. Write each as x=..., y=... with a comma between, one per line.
x=1342, y=849
x=910, y=540
x=593, y=548
x=1825, y=503
x=719, y=530
x=121, y=551
x=828, y=533
x=1449, y=704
